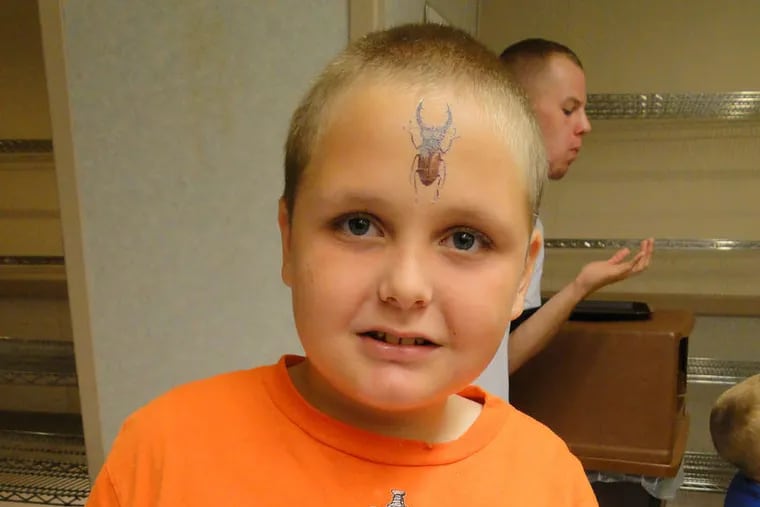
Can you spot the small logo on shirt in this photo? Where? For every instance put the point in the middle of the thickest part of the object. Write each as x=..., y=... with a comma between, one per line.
x=398, y=498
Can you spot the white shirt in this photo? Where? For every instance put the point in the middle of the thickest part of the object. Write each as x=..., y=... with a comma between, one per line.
x=495, y=378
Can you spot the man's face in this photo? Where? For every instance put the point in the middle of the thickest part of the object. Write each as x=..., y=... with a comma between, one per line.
x=380, y=247
x=558, y=97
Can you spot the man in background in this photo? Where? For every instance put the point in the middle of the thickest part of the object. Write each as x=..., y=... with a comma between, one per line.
x=553, y=79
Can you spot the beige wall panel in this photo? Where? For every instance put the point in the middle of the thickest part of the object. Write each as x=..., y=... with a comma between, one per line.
x=649, y=45
x=730, y=338
x=26, y=398
x=671, y=272
x=31, y=190
x=33, y=318
x=24, y=110
x=672, y=180
x=21, y=235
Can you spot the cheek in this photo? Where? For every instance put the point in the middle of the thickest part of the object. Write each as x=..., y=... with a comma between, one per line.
x=329, y=283
x=481, y=303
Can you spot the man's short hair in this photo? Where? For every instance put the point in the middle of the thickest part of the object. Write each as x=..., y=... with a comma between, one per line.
x=527, y=58
x=537, y=49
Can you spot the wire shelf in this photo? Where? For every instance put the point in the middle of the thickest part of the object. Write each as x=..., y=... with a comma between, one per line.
x=26, y=145
x=43, y=469
x=659, y=244
x=706, y=472
x=705, y=370
x=744, y=105
x=30, y=260
x=37, y=362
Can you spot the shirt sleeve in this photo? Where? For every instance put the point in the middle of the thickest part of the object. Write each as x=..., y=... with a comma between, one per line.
x=103, y=493
x=131, y=474
x=579, y=487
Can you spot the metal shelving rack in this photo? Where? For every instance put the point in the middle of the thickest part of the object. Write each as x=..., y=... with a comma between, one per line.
x=732, y=106
x=31, y=260
x=706, y=472
x=659, y=244
x=39, y=468
x=26, y=146
x=39, y=464
x=743, y=105
x=42, y=456
x=37, y=362
x=707, y=370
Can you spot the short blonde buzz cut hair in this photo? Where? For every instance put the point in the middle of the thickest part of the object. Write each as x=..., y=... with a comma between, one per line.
x=424, y=57
x=735, y=426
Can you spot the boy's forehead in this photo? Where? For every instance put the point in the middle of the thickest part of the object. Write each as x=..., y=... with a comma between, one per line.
x=404, y=96
x=384, y=145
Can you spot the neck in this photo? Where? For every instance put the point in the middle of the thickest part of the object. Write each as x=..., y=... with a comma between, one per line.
x=441, y=421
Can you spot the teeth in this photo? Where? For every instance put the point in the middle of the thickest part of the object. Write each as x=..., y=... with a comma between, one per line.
x=395, y=340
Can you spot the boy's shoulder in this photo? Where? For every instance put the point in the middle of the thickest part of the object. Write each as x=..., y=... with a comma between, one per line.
x=533, y=457
x=534, y=436
x=218, y=396
x=522, y=436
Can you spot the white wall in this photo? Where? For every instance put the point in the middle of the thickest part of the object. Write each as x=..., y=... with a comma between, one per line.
x=178, y=115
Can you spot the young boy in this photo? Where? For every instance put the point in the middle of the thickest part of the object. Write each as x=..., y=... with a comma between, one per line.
x=413, y=176
x=735, y=430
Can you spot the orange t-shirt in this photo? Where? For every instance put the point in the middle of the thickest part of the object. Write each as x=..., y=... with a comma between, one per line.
x=248, y=438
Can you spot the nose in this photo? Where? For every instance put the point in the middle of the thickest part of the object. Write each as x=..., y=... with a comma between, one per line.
x=405, y=282
x=584, y=126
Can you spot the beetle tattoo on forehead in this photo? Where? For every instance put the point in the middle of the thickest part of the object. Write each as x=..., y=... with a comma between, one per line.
x=428, y=165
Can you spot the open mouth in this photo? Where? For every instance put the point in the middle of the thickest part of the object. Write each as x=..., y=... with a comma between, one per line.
x=397, y=340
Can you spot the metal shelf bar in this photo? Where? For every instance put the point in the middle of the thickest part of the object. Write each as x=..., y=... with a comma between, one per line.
x=743, y=105
x=706, y=472
x=30, y=260
x=659, y=244
x=37, y=362
x=26, y=145
x=50, y=470
x=706, y=370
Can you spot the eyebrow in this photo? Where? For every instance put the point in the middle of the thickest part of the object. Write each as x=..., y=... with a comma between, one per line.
x=575, y=101
x=467, y=215
x=353, y=198
x=360, y=197
x=475, y=216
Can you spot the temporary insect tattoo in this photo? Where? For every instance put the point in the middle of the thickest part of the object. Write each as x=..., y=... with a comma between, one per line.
x=428, y=164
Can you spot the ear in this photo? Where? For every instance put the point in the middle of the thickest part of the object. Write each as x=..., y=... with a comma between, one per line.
x=283, y=220
x=534, y=247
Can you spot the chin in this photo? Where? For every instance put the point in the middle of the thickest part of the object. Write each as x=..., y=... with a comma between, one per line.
x=557, y=174
x=390, y=396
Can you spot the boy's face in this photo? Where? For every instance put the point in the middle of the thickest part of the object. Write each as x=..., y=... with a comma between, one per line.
x=558, y=98
x=372, y=255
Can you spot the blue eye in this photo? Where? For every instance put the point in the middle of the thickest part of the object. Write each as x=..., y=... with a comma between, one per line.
x=358, y=226
x=463, y=240
x=467, y=241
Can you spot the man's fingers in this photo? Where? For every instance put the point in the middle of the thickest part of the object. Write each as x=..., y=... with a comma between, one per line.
x=619, y=256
